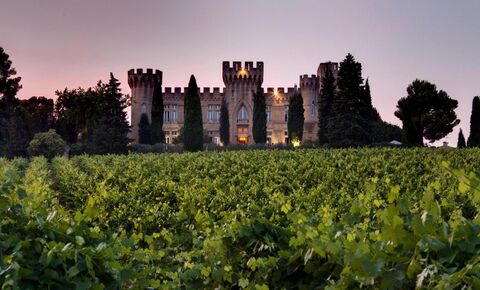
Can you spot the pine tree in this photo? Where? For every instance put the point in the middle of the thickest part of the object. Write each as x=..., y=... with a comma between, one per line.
x=158, y=136
x=350, y=124
x=107, y=125
x=144, y=131
x=193, y=126
x=224, y=124
x=9, y=85
x=259, y=127
x=296, y=117
x=474, y=138
x=461, y=140
x=326, y=97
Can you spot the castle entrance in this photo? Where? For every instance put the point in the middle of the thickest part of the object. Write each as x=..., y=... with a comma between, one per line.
x=242, y=134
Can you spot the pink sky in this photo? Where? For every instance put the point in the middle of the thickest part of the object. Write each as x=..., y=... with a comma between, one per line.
x=58, y=44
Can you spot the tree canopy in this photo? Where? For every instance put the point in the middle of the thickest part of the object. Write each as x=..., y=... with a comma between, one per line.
x=158, y=136
x=224, y=124
x=296, y=117
x=474, y=137
x=426, y=113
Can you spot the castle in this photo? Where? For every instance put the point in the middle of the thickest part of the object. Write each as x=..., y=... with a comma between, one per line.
x=240, y=82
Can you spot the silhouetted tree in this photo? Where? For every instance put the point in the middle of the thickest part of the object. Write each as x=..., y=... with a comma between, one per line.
x=144, y=131
x=474, y=138
x=461, y=140
x=193, y=126
x=40, y=114
x=107, y=126
x=259, y=126
x=224, y=124
x=349, y=124
x=426, y=112
x=296, y=117
x=326, y=97
x=158, y=136
x=9, y=85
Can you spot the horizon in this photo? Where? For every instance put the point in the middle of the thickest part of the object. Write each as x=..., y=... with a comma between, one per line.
x=54, y=45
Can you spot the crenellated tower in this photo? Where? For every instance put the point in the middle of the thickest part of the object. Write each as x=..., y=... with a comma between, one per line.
x=141, y=84
x=322, y=69
x=240, y=81
x=310, y=88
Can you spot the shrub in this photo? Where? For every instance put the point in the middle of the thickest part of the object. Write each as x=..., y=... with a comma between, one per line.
x=48, y=144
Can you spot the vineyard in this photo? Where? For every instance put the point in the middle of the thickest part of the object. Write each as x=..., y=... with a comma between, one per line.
x=287, y=219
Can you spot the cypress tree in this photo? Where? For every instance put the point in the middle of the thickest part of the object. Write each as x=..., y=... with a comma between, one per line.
x=144, y=131
x=350, y=123
x=224, y=124
x=461, y=140
x=326, y=97
x=259, y=128
x=158, y=136
x=474, y=138
x=296, y=117
x=193, y=126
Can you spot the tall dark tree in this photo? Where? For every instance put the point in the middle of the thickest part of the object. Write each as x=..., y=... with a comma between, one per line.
x=40, y=114
x=224, y=124
x=193, y=125
x=426, y=113
x=326, y=97
x=296, y=117
x=108, y=127
x=350, y=124
x=474, y=138
x=461, y=140
x=158, y=136
x=9, y=85
x=144, y=132
x=259, y=127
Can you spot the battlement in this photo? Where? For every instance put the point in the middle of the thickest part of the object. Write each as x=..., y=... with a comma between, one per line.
x=205, y=93
x=310, y=82
x=248, y=73
x=332, y=66
x=139, y=77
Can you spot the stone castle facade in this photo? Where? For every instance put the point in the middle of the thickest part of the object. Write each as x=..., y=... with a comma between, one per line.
x=240, y=81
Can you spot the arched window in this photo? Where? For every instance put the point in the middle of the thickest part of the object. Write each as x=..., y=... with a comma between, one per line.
x=143, y=108
x=313, y=109
x=242, y=115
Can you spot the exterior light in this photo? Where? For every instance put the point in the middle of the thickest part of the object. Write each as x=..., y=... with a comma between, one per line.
x=296, y=143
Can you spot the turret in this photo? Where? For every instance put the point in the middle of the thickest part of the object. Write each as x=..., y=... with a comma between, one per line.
x=322, y=69
x=142, y=84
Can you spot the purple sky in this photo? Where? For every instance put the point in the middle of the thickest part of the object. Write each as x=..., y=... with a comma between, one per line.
x=58, y=44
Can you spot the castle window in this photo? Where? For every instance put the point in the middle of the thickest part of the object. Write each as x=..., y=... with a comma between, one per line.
x=213, y=114
x=269, y=137
x=242, y=115
x=170, y=113
x=313, y=109
x=269, y=114
x=285, y=113
x=143, y=108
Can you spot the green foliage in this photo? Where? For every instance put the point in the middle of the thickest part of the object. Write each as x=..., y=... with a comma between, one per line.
x=144, y=132
x=303, y=219
x=296, y=117
x=474, y=138
x=193, y=125
x=158, y=136
x=426, y=112
x=259, y=122
x=224, y=124
x=461, y=140
x=48, y=144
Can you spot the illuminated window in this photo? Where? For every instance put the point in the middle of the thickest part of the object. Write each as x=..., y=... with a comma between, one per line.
x=242, y=115
x=143, y=108
x=285, y=114
x=213, y=113
x=269, y=137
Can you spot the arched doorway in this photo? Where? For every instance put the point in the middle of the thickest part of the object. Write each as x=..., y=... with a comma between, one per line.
x=242, y=125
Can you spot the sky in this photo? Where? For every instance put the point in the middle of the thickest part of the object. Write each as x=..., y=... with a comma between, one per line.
x=55, y=44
